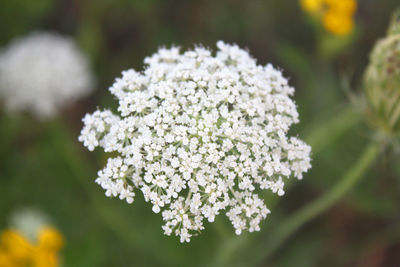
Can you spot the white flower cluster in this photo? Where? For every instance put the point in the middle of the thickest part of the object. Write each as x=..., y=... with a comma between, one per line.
x=43, y=72
x=199, y=134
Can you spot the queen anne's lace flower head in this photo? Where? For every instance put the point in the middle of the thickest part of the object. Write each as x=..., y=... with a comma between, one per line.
x=43, y=72
x=199, y=135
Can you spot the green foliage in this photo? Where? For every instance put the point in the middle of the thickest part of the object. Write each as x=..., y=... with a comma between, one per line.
x=43, y=165
x=21, y=16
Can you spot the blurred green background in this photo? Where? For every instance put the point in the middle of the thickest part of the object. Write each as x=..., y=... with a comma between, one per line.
x=43, y=165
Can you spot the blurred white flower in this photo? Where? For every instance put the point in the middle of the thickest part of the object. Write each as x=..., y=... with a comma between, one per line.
x=29, y=221
x=199, y=135
x=42, y=73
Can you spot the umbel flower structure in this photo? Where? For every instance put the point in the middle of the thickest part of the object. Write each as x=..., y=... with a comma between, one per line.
x=199, y=134
x=43, y=72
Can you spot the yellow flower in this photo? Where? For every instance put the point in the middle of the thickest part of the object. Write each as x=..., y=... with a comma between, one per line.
x=338, y=24
x=6, y=260
x=45, y=258
x=17, y=251
x=312, y=6
x=50, y=239
x=336, y=15
x=344, y=7
x=16, y=246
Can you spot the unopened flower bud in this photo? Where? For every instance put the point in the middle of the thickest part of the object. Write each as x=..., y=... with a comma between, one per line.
x=382, y=81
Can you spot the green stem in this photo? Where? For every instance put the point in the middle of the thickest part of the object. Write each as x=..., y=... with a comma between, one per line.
x=325, y=133
x=322, y=203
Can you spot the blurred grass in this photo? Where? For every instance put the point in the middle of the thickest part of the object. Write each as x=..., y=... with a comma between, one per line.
x=43, y=165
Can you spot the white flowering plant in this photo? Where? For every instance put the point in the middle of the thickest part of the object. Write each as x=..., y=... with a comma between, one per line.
x=42, y=73
x=199, y=134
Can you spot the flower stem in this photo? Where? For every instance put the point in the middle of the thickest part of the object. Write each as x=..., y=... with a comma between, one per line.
x=322, y=203
x=325, y=133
